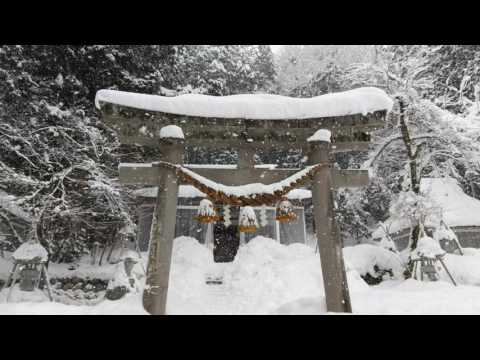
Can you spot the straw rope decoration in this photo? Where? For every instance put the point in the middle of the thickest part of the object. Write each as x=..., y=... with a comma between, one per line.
x=255, y=199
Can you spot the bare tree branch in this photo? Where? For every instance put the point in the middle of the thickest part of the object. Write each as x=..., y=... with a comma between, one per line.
x=396, y=138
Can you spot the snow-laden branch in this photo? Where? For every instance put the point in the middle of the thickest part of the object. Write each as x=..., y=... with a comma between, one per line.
x=396, y=138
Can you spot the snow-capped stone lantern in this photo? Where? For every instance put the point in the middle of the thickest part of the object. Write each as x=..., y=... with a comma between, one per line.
x=247, y=220
x=285, y=212
x=206, y=212
x=29, y=261
x=425, y=257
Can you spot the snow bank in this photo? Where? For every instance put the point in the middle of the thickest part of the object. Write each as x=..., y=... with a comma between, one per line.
x=254, y=106
x=408, y=297
x=418, y=298
x=131, y=304
x=464, y=269
x=269, y=278
x=264, y=275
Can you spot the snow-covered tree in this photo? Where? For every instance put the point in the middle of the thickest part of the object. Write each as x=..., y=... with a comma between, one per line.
x=223, y=69
x=305, y=69
x=58, y=158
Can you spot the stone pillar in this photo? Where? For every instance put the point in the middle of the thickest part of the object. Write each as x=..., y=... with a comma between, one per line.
x=163, y=231
x=328, y=238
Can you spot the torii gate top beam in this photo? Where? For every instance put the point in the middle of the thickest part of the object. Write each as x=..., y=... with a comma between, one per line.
x=247, y=121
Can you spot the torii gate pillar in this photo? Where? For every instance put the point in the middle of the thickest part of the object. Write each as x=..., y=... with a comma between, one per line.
x=163, y=230
x=328, y=238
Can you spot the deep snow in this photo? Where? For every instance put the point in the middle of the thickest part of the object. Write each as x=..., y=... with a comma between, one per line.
x=269, y=278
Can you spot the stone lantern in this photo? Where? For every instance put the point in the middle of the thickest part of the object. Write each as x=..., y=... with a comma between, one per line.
x=29, y=261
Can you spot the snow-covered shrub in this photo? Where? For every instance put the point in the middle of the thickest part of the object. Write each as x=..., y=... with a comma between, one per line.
x=374, y=263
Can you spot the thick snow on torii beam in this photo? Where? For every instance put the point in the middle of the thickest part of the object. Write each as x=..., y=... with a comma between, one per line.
x=258, y=121
x=254, y=106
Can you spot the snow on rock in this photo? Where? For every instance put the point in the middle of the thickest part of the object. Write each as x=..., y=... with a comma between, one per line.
x=121, y=278
x=254, y=106
x=321, y=135
x=364, y=257
x=29, y=251
x=171, y=132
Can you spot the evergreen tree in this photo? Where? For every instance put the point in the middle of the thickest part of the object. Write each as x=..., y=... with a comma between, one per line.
x=223, y=69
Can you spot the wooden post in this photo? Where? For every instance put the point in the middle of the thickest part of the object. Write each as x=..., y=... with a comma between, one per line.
x=14, y=280
x=328, y=239
x=47, y=280
x=163, y=231
x=10, y=276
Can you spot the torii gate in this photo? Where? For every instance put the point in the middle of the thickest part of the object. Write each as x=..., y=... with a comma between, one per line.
x=140, y=118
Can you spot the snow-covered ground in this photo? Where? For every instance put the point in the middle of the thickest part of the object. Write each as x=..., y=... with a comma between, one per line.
x=269, y=278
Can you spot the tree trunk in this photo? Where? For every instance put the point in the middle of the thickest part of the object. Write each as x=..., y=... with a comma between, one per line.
x=414, y=176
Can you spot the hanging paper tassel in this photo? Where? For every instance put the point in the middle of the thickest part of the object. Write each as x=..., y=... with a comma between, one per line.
x=285, y=211
x=206, y=212
x=247, y=220
x=263, y=216
x=226, y=215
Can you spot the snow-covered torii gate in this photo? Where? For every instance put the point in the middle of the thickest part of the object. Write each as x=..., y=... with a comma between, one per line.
x=245, y=123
